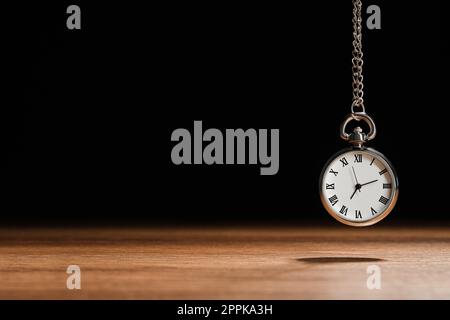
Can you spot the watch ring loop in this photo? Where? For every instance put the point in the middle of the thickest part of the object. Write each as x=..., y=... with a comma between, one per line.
x=358, y=116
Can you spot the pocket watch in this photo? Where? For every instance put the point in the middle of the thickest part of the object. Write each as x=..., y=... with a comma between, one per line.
x=358, y=185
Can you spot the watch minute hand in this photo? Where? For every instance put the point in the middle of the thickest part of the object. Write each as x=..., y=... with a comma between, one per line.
x=353, y=194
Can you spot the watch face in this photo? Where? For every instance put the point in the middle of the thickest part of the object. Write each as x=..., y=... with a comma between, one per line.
x=358, y=187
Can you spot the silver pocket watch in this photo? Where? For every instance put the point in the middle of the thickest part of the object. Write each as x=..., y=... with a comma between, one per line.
x=358, y=185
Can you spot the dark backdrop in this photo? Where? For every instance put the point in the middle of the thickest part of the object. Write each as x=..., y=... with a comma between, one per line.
x=87, y=115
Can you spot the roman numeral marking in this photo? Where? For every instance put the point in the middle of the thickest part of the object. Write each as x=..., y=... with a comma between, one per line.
x=374, y=212
x=333, y=200
x=383, y=171
x=330, y=186
x=343, y=210
x=344, y=162
x=358, y=158
x=383, y=200
x=334, y=172
x=358, y=214
x=373, y=159
x=387, y=185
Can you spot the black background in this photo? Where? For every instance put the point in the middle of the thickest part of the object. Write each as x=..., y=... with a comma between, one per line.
x=87, y=115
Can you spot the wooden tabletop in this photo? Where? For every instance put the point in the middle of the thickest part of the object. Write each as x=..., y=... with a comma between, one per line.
x=226, y=262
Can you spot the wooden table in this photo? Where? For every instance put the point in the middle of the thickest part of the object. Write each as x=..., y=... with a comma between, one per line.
x=225, y=262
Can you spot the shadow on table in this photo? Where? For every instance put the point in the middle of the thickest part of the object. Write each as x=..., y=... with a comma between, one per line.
x=324, y=260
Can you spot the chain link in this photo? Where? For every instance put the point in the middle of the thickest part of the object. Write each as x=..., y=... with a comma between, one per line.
x=357, y=60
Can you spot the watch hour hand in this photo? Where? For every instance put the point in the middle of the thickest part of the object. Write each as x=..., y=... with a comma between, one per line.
x=364, y=184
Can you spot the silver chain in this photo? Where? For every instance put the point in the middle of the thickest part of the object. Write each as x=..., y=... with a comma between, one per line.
x=357, y=60
x=358, y=110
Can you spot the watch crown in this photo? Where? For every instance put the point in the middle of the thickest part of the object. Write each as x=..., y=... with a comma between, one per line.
x=357, y=138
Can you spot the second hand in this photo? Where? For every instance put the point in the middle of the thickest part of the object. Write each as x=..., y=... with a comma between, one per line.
x=357, y=183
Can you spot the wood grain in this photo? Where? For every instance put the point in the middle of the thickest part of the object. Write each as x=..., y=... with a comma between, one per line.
x=225, y=263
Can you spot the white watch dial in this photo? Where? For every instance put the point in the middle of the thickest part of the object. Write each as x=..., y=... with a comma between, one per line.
x=358, y=187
